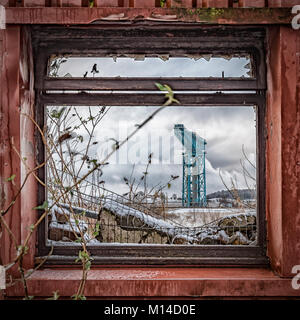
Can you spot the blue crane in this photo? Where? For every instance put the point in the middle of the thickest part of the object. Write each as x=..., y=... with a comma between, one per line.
x=193, y=167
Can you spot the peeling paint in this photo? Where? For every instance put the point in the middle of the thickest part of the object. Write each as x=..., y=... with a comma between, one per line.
x=73, y=15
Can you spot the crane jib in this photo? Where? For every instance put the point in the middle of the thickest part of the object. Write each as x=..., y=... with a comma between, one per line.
x=193, y=167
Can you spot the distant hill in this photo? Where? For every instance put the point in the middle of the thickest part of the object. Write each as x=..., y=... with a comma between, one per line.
x=225, y=194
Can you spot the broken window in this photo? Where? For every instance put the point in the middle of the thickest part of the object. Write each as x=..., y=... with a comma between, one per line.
x=142, y=66
x=135, y=178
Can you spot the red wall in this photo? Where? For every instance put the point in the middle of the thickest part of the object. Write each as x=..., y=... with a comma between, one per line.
x=282, y=183
x=283, y=129
x=151, y=3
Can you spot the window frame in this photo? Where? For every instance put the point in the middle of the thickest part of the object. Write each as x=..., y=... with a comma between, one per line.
x=126, y=38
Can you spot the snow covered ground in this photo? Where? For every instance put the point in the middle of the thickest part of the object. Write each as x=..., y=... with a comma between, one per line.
x=178, y=226
x=195, y=217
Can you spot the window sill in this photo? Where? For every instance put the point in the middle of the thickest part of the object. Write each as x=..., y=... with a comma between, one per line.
x=159, y=282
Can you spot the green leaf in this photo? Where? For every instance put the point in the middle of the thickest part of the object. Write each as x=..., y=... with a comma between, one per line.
x=94, y=161
x=168, y=88
x=11, y=178
x=44, y=206
x=55, y=296
x=87, y=265
x=22, y=250
x=160, y=86
x=97, y=229
x=91, y=3
x=169, y=95
x=170, y=100
x=57, y=114
x=163, y=3
x=83, y=213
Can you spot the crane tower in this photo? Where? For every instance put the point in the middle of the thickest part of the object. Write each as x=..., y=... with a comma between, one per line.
x=193, y=167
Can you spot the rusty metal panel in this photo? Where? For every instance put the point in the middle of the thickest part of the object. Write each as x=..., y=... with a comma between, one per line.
x=186, y=84
x=212, y=16
x=175, y=41
x=153, y=99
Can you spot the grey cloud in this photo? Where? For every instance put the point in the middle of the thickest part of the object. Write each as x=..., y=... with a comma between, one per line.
x=155, y=67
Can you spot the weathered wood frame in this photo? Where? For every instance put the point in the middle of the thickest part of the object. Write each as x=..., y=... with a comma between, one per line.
x=150, y=39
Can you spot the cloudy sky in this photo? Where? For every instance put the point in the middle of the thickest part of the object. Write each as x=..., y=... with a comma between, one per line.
x=226, y=129
x=154, y=67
